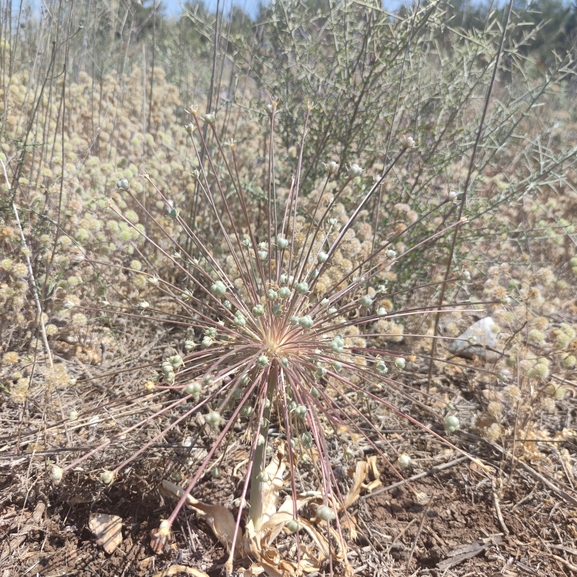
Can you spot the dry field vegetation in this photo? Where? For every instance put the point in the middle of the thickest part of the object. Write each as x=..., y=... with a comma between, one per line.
x=235, y=259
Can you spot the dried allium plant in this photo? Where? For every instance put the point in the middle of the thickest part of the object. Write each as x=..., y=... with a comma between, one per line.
x=287, y=310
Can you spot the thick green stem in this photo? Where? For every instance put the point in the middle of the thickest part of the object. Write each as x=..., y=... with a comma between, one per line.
x=256, y=482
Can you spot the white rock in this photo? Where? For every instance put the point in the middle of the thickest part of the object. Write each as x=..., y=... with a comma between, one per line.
x=477, y=340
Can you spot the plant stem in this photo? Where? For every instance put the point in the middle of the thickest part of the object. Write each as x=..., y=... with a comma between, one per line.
x=256, y=481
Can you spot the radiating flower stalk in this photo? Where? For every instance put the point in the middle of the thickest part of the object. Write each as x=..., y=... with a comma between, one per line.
x=282, y=337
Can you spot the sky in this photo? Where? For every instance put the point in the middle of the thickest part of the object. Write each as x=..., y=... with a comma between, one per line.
x=173, y=7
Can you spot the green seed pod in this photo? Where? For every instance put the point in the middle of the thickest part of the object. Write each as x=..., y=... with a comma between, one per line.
x=262, y=254
x=302, y=287
x=194, y=388
x=400, y=363
x=281, y=242
x=56, y=474
x=332, y=167
x=284, y=292
x=306, y=322
x=300, y=411
x=122, y=184
x=218, y=288
x=451, y=423
x=307, y=440
x=107, y=477
x=210, y=119
x=293, y=526
x=381, y=368
x=355, y=170
x=271, y=295
x=322, y=257
x=366, y=301
x=189, y=345
x=325, y=513
x=215, y=472
x=175, y=361
x=403, y=461
x=258, y=310
x=207, y=342
x=213, y=418
x=277, y=310
x=262, y=361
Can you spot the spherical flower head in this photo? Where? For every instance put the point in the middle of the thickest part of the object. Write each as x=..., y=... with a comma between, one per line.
x=495, y=409
x=539, y=371
x=6, y=264
x=451, y=423
x=218, y=288
x=10, y=358
x=493, y=432
x=355, y=170
x=19, y=270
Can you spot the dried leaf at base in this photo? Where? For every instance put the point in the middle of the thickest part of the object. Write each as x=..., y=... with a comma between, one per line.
x=107, y=529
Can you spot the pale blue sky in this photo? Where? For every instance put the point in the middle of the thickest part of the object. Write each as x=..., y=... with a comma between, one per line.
x=173, y=7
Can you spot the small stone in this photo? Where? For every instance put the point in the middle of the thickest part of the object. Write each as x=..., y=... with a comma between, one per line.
x=484, y=331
